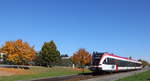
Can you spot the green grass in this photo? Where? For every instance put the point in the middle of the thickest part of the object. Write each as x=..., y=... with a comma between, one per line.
x=42, y=72
x=144, y=76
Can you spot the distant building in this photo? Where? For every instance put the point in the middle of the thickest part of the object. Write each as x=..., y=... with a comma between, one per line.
x=1, y=56
x=65, y=61
x=65, y=56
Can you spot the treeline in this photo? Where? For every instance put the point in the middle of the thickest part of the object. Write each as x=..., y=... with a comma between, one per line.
x=144, y=63
x=21, y=53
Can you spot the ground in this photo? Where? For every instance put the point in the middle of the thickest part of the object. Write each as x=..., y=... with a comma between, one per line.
x=144, y=76
x=121, y=75
x=7, y=74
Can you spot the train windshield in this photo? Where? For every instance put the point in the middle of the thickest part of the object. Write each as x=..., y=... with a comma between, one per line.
x=96, y=58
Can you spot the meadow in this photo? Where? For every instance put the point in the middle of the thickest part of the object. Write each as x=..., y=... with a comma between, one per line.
x=144, y=76
x=37, y=72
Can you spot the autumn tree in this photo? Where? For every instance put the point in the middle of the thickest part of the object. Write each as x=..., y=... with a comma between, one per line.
x=81, y=57
x=144, y=62
x=18, y=52
x=49, y=54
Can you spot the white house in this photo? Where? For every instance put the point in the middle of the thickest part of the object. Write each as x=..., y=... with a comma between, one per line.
x=1, y=56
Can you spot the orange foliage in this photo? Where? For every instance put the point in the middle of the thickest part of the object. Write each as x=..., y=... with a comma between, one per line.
x=19, y=52
x=81, y=57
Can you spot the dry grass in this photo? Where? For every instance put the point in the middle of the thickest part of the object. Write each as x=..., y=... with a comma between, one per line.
x=80, y=69
x=37, y=72
x=13, y=71
x=34, y=70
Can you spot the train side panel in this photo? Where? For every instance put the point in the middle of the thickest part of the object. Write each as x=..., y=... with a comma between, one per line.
x=115, y=63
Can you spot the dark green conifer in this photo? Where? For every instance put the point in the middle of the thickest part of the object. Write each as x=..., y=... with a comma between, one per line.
x=49, y=54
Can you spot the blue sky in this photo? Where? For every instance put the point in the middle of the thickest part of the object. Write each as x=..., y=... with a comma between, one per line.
x=116, y=26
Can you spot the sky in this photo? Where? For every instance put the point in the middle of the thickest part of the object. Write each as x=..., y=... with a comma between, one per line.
x=121, y=27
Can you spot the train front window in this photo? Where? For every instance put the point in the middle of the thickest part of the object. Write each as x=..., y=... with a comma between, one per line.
x=96, y=58
x=110, y=61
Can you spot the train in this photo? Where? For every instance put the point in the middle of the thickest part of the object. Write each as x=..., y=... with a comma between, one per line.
x=113, y=63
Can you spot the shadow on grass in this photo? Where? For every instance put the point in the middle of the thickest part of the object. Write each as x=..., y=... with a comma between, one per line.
x=148, y=79
x=95, y=73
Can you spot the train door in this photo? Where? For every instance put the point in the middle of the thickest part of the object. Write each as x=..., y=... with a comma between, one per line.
x=116, y=63
x=116, y=67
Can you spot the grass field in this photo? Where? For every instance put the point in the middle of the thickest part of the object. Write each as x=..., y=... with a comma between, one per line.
x=144, y=76
x=41, y=72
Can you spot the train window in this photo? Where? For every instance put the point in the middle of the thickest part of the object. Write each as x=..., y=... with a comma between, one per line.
x=130, y=64
x=109, y=61
x=113, y=61
x=121, y=63
x=137, y=65
x=105, y=61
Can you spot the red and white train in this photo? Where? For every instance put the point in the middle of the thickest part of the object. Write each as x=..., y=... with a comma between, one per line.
x=111, y=62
